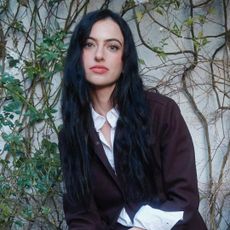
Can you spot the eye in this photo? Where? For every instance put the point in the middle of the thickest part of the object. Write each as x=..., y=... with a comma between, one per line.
x=113, y=47
x=88, y=44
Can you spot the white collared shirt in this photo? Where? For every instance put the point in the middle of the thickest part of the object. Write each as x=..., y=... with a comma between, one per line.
x=147, y=217
x=112, y=117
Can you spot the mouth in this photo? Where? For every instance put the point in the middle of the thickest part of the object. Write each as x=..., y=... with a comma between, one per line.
x=99, y=69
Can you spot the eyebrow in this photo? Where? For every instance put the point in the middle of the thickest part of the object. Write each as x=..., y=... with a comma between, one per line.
x=108, y=40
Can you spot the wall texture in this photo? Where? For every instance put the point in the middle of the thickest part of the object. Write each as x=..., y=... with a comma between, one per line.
x=183, y=49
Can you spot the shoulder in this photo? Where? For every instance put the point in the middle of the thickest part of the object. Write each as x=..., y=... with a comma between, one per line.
x=163, y=111
x=160, y=102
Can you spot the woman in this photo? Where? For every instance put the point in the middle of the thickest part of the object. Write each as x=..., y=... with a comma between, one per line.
x=127, y=156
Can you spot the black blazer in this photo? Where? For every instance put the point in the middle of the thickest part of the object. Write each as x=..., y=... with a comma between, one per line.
x=177, y=178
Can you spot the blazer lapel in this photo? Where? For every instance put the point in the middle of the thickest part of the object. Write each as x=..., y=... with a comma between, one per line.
x=99, y=151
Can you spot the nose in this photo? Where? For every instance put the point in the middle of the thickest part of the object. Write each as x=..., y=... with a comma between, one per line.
x=99, y=55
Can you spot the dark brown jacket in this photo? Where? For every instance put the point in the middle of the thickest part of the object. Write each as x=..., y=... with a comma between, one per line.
x=177, y=178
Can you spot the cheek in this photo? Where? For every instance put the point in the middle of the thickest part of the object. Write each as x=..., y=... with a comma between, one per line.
x=117, y=62
x=120, y=64
x=86, y=65
x=86, y=57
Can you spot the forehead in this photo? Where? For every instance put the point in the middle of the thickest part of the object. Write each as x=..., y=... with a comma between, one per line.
x=106, y=29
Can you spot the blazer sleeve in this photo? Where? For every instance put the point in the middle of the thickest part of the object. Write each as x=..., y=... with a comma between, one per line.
x=77, y=216
x=178, y=164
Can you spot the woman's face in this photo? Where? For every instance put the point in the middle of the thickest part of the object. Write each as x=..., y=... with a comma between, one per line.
x=102, y=54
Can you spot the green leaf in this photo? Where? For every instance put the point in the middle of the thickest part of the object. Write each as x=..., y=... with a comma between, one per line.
x=19, y=223
x=205, y=41
x=46, y=210
x=13, y=62
x=211, y=10
x=139, y=16
x=34, y=115
x=200, y=34
x=202, y=19
x=141, y=61
x=159, y=11
x=189, y=21
x=14, y=107
x=176, y=30
x=5, y=210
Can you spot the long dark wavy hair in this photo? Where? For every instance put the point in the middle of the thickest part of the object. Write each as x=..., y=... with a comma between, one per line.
x=133, y=160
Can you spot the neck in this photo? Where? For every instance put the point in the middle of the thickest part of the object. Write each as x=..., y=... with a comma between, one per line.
x=101, y=99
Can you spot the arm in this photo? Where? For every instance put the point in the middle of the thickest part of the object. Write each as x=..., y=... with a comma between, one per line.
x=77, y=216
x=177, y=179
x=178, y=164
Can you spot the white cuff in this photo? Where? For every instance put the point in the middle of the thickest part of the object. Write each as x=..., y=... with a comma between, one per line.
x=155, y=219
x=124, y=219
x=151, y=219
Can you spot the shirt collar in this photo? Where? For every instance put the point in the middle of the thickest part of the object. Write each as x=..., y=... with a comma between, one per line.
x=99, y=120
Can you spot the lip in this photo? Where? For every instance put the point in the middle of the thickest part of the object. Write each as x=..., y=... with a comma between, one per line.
x=99, y=69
